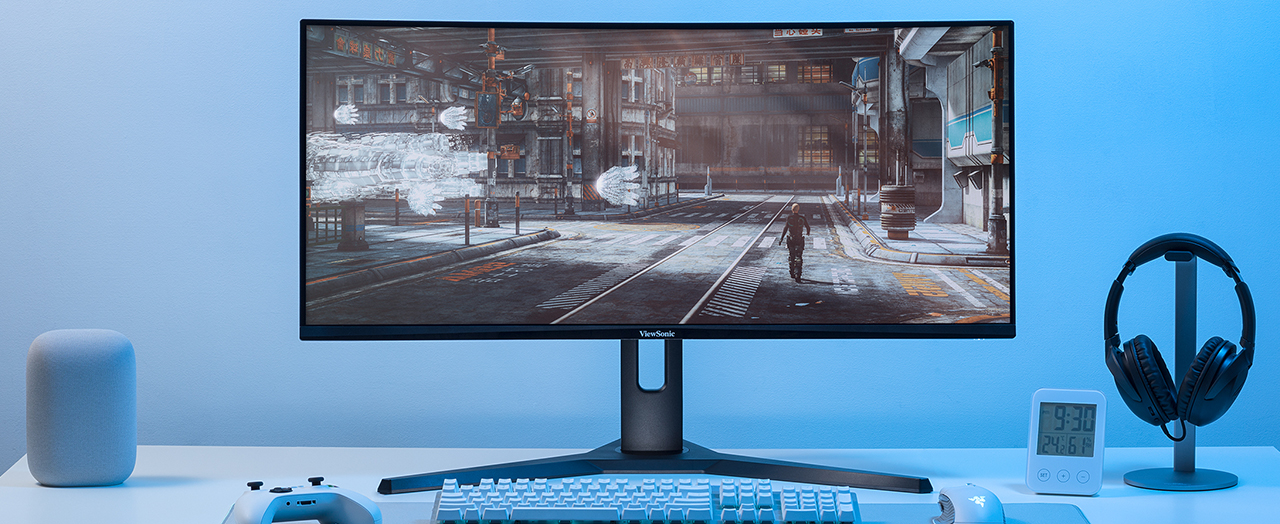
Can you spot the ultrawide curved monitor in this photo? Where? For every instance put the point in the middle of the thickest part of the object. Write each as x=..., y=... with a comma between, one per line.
x=632, y=181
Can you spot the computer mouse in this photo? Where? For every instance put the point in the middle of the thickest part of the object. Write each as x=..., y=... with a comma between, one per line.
x=969, y=504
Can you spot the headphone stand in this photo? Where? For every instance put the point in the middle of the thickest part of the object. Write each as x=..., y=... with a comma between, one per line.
x=1183, y=476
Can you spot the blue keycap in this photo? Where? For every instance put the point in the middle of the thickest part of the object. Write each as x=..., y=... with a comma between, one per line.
x=728, y=497
x=765, y=499
x=798, y=514
x=848, y=513
x=635, y=513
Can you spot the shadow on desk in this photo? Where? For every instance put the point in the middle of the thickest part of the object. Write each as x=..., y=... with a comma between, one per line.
x=142, y=482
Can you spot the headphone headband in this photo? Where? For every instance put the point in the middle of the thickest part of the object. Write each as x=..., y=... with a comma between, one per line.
x=1197, y=245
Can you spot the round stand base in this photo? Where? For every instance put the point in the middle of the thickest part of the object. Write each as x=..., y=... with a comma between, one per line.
x=1166, y=479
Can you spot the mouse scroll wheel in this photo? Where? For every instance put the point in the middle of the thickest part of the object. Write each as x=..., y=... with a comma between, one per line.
x=948, y=515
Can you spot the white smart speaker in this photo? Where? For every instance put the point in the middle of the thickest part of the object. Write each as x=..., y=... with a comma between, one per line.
x=82, y=408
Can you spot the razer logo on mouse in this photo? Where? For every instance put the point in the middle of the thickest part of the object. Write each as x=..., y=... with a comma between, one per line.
x=979, y=500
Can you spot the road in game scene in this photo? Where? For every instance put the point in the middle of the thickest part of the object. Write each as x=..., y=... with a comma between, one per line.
x=718, y=262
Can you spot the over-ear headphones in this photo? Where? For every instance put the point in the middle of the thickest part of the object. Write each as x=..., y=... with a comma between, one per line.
x=1214, y=378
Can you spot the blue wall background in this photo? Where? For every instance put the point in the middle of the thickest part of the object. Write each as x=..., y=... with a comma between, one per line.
x=149, y=160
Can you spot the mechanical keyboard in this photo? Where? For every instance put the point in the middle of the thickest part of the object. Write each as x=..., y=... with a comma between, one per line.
x=643, y=501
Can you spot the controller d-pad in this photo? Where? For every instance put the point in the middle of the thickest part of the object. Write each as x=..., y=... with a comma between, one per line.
x=281, y=490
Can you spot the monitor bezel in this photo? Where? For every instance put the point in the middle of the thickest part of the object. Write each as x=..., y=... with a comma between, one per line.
x=651, y=331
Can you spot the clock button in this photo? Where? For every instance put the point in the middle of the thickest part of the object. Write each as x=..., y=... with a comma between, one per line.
x=1083, y=477
x=1043, y=475
x=1064, y=475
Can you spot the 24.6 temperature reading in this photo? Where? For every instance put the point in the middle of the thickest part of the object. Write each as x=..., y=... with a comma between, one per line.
x=1070, y=445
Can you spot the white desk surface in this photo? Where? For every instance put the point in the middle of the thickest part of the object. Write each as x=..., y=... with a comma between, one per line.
x=199, y=484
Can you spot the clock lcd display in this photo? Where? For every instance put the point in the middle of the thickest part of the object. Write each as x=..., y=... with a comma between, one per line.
x=1066, y=429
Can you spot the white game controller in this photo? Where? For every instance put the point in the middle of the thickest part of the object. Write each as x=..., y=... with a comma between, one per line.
x=325, y=503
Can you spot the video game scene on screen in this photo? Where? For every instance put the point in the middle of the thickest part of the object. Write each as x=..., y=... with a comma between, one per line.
x=584, y=175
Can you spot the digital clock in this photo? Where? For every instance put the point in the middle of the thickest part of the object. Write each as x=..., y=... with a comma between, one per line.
x=1065, y=444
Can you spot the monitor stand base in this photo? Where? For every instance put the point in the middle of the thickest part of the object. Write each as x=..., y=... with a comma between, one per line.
x=693, y=459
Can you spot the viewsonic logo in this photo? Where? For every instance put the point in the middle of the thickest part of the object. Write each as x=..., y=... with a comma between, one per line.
x=657, y=334
x=979, y=500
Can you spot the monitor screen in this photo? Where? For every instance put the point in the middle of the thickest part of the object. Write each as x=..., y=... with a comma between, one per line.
x=678, y=181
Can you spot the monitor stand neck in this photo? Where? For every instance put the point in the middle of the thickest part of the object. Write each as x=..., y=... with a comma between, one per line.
x=652, y=428
x=653, y=419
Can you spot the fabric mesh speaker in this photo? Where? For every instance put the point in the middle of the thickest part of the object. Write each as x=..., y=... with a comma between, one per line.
x=82, y=415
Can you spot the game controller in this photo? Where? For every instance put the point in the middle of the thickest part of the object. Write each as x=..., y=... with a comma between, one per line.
x=326, y=503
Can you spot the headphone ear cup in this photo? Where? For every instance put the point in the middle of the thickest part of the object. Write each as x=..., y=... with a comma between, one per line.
x=1206, y=367
x=1187, y=390
x=1155, y=379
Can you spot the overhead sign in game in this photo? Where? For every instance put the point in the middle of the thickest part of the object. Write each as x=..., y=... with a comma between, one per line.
x=350, y=44
x=793, y=33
